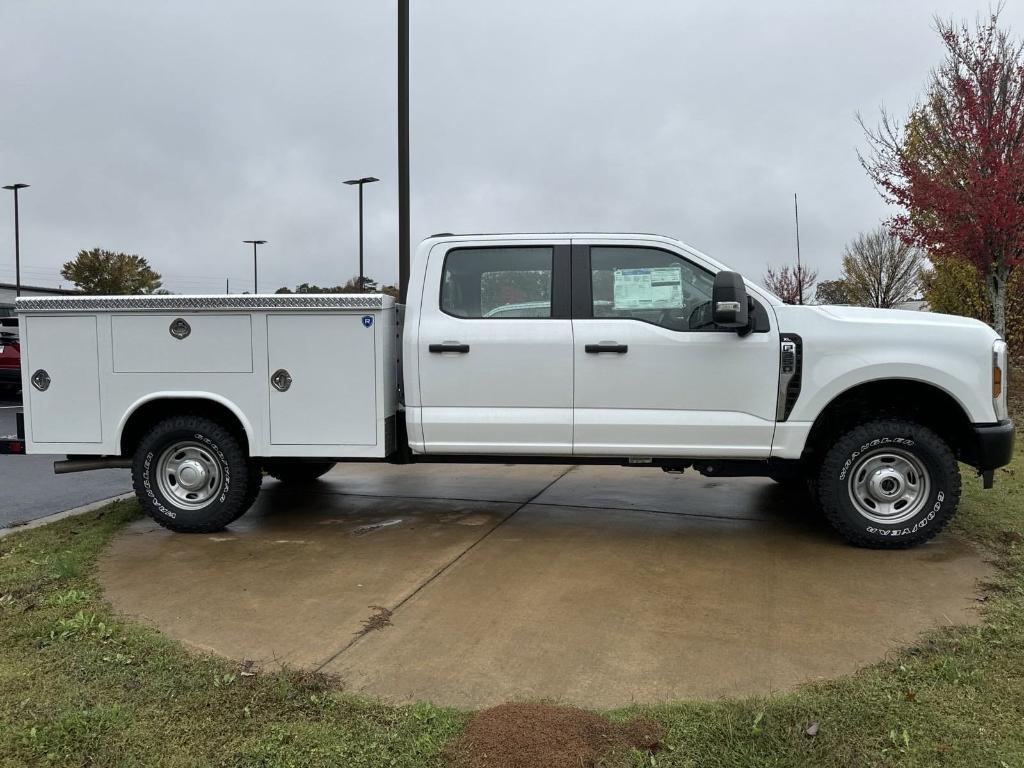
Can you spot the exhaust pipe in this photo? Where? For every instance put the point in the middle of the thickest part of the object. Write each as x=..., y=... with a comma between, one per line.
x=87, y=465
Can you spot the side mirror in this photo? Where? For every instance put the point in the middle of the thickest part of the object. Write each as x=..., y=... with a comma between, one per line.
x=729, y=306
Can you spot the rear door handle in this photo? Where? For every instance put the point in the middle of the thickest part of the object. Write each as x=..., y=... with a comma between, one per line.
x=596, y=349
x=449, y=346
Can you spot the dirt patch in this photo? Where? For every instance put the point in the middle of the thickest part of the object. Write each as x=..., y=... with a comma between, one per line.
x=381, y=618
x=362, y=530
x=545, y=736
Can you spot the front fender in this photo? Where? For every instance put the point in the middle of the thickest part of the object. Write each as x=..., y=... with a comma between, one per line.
x=830, y=378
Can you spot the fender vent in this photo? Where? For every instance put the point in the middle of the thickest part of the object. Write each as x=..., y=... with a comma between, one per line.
x=790, y=369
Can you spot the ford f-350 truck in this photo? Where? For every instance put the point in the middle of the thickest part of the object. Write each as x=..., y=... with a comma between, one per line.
x=570, y=348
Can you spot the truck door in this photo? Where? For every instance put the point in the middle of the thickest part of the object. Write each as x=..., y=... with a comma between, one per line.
x=494, y=350
x=652, y=376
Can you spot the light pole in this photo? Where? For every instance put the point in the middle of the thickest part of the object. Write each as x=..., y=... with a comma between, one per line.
x=403, y=149
x=799, y=269
x=17, y=239
x=361, y=182
x=255, y=269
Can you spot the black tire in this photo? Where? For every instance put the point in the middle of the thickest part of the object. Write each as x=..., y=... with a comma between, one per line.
x=216, y=463
x=874, y=468
x=253, y=485
x=297, y=470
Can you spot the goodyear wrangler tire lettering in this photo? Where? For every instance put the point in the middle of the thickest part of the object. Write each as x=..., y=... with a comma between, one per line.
x=191, y=474
x=888, y=484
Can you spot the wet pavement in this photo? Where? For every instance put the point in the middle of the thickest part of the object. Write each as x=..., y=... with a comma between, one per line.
x=29, y=489
x=598, y=586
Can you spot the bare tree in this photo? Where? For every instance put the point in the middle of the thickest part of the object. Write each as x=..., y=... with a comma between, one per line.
x=791, y=283
x=881, y=269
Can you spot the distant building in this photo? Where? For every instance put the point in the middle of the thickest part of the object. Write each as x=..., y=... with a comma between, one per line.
x=9, y=290
x=916, y=305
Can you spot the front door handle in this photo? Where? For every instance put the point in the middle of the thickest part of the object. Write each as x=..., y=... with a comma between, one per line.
x=450, y=346
x=596, y=349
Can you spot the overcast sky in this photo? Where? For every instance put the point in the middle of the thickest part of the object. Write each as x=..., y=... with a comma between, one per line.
x=176, y=130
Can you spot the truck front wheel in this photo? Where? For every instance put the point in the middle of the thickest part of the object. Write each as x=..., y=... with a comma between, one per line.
x=191, y=474
x=889, y=484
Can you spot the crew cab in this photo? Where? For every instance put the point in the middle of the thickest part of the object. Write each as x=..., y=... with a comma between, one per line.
x=573, y=348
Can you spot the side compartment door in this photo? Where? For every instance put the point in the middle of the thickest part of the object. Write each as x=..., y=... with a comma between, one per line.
x=653, y=376
x=495, y=349
x=65, y=404
x=329, y=395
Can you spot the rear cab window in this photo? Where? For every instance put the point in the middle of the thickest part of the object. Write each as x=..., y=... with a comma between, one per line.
x=498, y=283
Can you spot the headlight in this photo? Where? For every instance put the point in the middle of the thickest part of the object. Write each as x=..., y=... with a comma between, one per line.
x=1000, y=379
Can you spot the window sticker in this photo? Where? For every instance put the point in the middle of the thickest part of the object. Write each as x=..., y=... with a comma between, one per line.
x=649, y=288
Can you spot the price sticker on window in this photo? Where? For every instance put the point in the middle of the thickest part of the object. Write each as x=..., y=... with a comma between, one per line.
x=649, y=288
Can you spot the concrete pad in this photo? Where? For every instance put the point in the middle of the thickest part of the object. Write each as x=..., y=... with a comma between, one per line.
x=649, y=488
x=605, y=608
x=288, y=587
x=484, y=482
x=727, y=588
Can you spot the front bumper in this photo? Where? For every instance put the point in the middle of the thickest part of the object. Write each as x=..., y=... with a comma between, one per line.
x=992, y=445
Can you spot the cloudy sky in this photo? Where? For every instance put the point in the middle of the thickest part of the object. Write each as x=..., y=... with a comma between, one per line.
x=176, y=130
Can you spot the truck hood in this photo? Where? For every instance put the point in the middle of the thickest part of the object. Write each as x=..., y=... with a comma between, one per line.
x=903, y=317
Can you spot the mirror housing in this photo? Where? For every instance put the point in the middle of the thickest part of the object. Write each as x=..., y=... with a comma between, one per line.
x=729, y=305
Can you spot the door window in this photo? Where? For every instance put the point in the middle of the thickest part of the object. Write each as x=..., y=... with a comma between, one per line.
x=651, y=285
x=497, y=282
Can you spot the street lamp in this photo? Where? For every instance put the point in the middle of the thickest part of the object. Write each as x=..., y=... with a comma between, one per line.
x=403, y=150
x=17, y=239
x=255, y=272
x=361, y=182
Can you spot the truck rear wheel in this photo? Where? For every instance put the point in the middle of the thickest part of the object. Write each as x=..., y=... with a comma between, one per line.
x=252, y=488
x=192, y=475
x=889, y=484
x=296, y=470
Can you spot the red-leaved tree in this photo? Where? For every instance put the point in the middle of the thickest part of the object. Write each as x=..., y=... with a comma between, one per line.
x=956, y=167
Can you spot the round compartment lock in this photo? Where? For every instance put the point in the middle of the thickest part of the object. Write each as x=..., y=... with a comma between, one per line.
x=281, y=380
x=41, y=380
x=179, y=328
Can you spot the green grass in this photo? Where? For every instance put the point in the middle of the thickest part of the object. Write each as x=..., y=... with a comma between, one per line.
x=80, y=686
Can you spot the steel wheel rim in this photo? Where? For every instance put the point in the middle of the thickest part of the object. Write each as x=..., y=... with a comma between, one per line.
x=189, y=475
x=889, y=486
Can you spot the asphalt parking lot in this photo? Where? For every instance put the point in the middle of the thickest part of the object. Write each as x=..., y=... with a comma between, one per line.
x=600, y=586
x=29, y=489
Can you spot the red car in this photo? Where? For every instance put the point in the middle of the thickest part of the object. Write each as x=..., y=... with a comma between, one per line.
x=10, y=357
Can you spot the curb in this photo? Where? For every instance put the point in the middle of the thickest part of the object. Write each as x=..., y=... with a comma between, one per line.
x=41, y=521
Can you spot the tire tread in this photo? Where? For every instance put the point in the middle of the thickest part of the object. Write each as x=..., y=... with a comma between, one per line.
x=224, y=514
x=829, y=490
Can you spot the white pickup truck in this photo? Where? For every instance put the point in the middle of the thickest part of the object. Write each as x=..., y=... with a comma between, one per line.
x=568, y=348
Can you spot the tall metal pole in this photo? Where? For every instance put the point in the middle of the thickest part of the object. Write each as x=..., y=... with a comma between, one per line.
x=17, y=238
x=255, y=267
x=352, y=182
x=799, y=269
x=17, y=246
x=362, y=283
x=403, y=149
